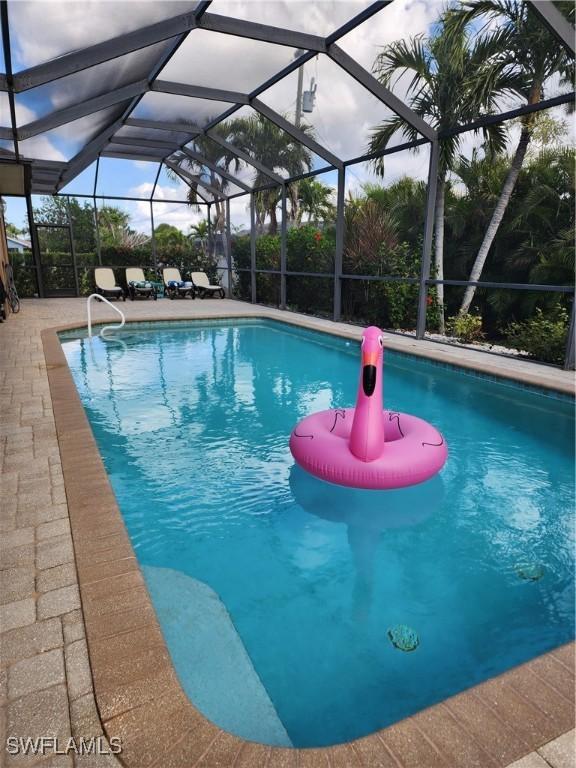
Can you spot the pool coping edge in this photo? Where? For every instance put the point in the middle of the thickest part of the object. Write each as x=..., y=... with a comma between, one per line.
x=441, y=354
x=138, y=695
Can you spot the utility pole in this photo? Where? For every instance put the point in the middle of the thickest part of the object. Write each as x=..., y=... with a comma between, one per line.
x=297, y=123
x=298, y=116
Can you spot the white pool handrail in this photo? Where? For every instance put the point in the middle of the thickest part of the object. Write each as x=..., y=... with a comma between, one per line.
x=106, y=327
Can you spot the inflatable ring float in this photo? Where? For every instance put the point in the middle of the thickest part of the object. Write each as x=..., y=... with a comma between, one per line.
x=367, y=446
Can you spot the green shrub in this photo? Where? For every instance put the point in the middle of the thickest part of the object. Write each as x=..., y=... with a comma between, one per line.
x=467, y=328
x=25, y=280
x=542, y=336
x=307, y=250
x=310, y=250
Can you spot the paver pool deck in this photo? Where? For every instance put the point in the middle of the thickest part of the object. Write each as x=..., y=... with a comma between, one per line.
x=80, y=648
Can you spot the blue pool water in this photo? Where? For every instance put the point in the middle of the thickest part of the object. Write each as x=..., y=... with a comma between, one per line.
x=277, y=592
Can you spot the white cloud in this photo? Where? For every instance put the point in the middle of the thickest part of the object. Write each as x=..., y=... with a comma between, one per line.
x=142, y=165
x=343, y=117
x=345, y=112
x=221, y=61
x=45, y=30
x=179, y=215
x=240, y=212
x=38, y=146
x=320, y=17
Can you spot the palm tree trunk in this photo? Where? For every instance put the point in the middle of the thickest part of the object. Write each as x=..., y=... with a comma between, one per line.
x=439, y=247
x=273, y=218
x=260, y=216
x=295, y=205
x=497, y=217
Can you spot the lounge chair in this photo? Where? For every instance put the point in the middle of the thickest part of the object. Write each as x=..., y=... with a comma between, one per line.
x=106, y=283
x=138, y=285
x=174, y=285
x=203, y=286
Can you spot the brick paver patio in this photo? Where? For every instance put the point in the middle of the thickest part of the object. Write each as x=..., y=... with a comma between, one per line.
x=46, y=684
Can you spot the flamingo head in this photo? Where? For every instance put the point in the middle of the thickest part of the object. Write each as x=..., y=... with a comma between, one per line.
x=372, y=356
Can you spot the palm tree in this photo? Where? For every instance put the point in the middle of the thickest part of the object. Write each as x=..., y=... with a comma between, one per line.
x=371, y=232
x=275, y=149
x=316, y=200
x=544, y=222
x=200, y=229
x=216, y=155
x=532, y=56
x=405, y=199
x=452, y=80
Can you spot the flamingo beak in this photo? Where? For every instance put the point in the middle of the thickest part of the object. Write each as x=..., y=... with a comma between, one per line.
x=369, y=360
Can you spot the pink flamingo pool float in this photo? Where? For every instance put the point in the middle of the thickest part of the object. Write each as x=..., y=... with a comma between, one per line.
x=366, y=446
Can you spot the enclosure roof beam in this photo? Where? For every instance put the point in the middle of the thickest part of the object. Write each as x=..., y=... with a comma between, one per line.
x=42, y=178
x=132, y=155
x=105, y=51
x=195, y=180
x=6, y=133
x=88, y=107
x=263, y=32
x=556, y=22
x=45, y=172
x=368, y=81
x=3, y=83
x=355, y=21
x=7, y=50
x=196, y=130
x=199, y=92
x=158, y=125
x=295, y=132
x=216, y=168
x=90, y=152
x=250, y=30
x=350, y=25
x=525, y=109
x=154, y=33
x=212, y=134
x=134, y=141
x=194, y=187
x=134, y=149
x=38, y=163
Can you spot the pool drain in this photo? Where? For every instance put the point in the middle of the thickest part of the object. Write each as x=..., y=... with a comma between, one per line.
x=530, y=571
x=404, y=638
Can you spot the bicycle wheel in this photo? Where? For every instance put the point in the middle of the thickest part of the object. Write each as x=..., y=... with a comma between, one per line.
x=13, y=299
x=14, y=302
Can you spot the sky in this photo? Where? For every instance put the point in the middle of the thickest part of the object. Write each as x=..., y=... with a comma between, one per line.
x=342, y=119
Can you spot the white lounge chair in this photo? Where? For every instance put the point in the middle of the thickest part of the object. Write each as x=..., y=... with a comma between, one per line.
x=174, y=285
x=138, y=285
x=106, y=283
x=203, y=285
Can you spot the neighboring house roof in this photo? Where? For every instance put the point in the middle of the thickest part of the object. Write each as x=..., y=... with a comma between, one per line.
x=17, y=242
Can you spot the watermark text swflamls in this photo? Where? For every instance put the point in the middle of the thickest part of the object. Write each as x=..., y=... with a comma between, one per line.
x=53, y=745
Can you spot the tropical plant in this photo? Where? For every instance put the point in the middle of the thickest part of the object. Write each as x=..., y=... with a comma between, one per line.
x=197, y=175
x=544, y=222
x=200, y=229
x=516, y=41
x=466, y=328
x=316, y=201
x=453, y=79
x=200, y=232
x=12, y=229
x=542, y=336
x=168, y=236
x=114, y=229
x=275, y=149
x=371, y=232
x=55, y=210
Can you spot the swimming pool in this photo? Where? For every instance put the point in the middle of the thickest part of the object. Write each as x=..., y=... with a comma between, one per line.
x=276, y=592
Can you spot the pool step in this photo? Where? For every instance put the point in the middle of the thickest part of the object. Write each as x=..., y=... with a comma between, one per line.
x=210, y=659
